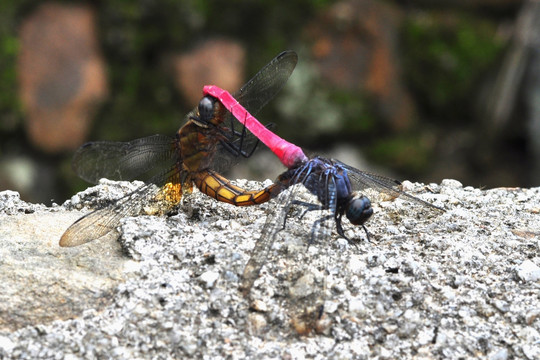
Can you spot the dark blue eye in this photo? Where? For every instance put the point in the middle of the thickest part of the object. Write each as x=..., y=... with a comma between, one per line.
x=206, y=109
x=359, y=210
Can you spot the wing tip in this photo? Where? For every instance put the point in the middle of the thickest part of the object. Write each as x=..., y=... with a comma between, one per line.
x=67, y=240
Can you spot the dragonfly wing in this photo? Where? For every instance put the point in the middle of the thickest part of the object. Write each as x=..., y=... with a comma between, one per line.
x=100, y=222
x=324, y=206
x=258, y=91
x=122, y=160
x=294, y=275
x=325, y=230
x=224, y=159
x=255, y=94
x=259, y=254
x=149, y=198
x=362, y=180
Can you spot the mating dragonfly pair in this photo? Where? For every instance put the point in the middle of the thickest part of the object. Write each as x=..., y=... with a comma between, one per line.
x=216, y=134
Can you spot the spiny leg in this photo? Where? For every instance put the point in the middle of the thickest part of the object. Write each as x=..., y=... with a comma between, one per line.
x=341, y=233
x=238, y=149
x=309, y=207
x=315, y=225
x=235, y=150
x=242, y=137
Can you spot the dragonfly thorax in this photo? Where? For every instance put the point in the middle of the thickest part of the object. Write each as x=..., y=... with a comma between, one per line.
x=359, y=210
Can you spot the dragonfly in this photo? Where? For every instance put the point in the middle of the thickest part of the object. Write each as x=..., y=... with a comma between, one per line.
x=209, y=140
x=336, y=184
x=339, y=189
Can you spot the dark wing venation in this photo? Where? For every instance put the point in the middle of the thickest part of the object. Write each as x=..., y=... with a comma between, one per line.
x=259, y=255
x=224, y=159
x=362, y=180
x=292, y=182
x=258, y=91
x=301, y=268
x=123, y=160
x=327, y=200
x=100, y=222
x=320, y=180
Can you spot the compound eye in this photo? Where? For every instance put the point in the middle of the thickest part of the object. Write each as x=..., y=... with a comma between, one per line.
x=206, y=109
x=359, y=210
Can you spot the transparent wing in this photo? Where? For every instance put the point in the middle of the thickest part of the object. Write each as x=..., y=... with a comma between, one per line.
x=295, y=275
x=259, y=255
x=322, y=229
x=123, y=160
x=362, y=180
x=253, y=96
x=149, y=197
x=258, y=91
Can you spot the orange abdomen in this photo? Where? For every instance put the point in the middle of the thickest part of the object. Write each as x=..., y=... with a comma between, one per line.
x=221, y=189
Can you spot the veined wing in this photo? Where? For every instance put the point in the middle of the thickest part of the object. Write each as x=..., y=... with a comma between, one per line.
x=276, y=219
x=255, y=94
x=259, y=254
x=258, y=91
x=123, y=160
x=295, y=273
x=149, y=198
x=362, y=180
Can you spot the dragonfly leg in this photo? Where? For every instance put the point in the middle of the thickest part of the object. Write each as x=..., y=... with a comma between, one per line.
x=237, y=150
x=247, y=155
x=308, y=206
x=315, y=225
x=242, y=137
x=339, y=228
x=286, y=210
x=367, y=233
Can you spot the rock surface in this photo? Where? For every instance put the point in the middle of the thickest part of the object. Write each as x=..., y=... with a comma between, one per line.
x=427, y=284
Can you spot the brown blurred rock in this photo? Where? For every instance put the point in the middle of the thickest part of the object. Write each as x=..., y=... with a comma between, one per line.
x=61, y=74
x=355, y=46
x=215, y=62
x=471, y=4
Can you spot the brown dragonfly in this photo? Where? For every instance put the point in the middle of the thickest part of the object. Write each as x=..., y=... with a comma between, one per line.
x=210, y=140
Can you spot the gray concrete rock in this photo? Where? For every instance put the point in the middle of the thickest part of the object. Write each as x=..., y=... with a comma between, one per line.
x=427, y=284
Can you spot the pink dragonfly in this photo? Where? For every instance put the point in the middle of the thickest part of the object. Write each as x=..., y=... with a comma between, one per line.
x=336, y=185
x=332, y=181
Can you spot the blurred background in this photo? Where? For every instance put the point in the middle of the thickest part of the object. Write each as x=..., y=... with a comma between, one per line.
x=421, y=90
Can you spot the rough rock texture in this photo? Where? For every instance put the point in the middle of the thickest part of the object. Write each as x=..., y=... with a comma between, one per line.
x=459, y=284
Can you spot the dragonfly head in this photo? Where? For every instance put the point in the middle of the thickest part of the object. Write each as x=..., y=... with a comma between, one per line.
x=359, y=210
x=205, y=111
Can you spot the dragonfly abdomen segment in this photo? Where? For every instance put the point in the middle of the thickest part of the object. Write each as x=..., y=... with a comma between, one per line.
x=221, y=189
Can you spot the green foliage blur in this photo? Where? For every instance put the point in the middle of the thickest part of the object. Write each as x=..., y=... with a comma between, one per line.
x=446, y=54
x=137, y=35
